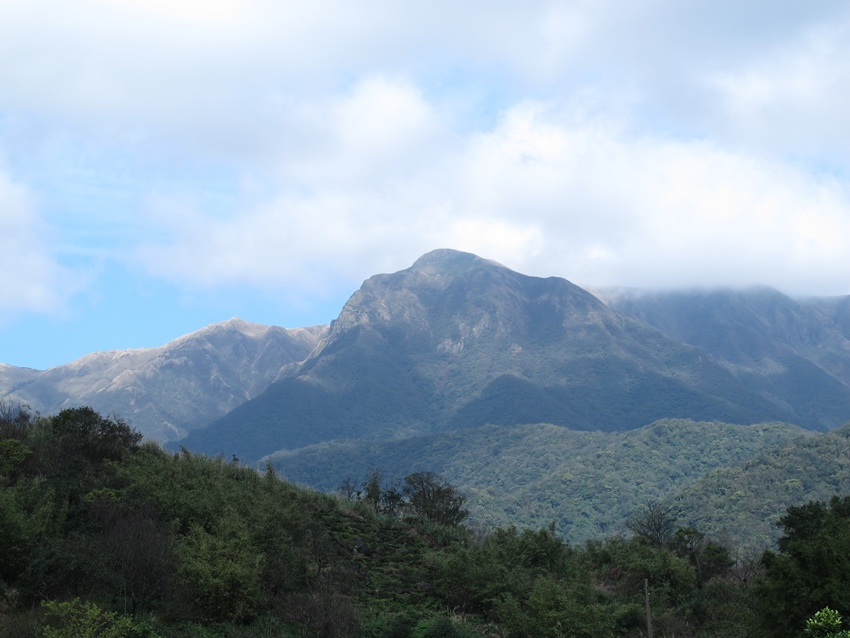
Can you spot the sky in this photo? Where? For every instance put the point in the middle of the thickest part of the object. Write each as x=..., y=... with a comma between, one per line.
x=168, y=164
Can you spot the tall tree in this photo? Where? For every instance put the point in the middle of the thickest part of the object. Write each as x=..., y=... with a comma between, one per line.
x=431, y=496
x=654, y=522
x=811, y=569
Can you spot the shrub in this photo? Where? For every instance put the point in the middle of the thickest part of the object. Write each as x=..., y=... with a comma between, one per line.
x=76, y=619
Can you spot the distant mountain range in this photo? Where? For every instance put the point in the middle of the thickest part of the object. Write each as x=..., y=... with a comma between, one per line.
x=167, y=391
x=460, y=365
x=796, y=351
x=456, y=341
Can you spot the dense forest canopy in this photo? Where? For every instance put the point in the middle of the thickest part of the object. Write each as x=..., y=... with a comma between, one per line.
x=102, y=534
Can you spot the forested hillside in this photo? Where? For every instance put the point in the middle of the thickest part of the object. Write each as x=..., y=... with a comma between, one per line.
x=532, y=475
x=744, y=500
x=480, y=436
x=101, y=535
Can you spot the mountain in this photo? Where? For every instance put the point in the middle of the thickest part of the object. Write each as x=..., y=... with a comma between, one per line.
x=12, y=377
x=165, y=392
x=531, y=394
x=795, y=350
x=456, y=341
x=589, y=483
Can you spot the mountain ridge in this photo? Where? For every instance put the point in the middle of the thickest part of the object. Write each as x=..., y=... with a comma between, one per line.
x=459, y=341
x=167, y=390
x=792, y=348
x=460, y=350
x=467, y=341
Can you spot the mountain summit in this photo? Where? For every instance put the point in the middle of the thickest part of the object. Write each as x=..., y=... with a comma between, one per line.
x=458, y=341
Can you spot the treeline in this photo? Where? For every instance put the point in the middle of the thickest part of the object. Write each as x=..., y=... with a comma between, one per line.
x=102, y=535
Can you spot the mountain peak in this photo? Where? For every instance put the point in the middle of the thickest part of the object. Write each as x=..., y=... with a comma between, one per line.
x=450, y=260
x=240, y=325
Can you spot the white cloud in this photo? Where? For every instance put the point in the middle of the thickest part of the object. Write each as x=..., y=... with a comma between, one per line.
x=659, y=148
x=32, y=280
x=615, y=208
x=219, y=78
x=378, y=130
x=548, y=190
x=794, y=98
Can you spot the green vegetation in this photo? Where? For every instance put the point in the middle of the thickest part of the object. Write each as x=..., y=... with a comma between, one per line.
x=76, y=619
x=811, y=568
x=746, y=500
x=589, y=483
x=103, y=536
x=826, y=624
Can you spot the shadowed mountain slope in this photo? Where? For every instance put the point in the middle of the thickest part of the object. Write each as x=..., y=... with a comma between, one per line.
x=457, y=341
x=796, y=351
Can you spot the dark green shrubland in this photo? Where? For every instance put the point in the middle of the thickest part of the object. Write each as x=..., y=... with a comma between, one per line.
x=104, y=535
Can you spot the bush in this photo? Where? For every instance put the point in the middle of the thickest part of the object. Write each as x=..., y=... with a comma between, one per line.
x=826, y=624
x=76, y=619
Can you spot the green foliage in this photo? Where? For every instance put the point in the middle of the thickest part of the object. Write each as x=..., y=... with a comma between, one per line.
x=811, y=568
x=442, y=627
x=29, y=521
x=398, y=625
x=434, y=498
x=709, y=559
x=826, y=624
x=372, y=489
x=425, y=494
x=477, y=577
x=205, y=548
x=220, y=572
x=554, y=610
x=654, y=523
x=622, y=566
x=77, y=619
x=15, y=419
x=745, y=501
x=588, y=482
x=84, y=432
x=13, y=453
